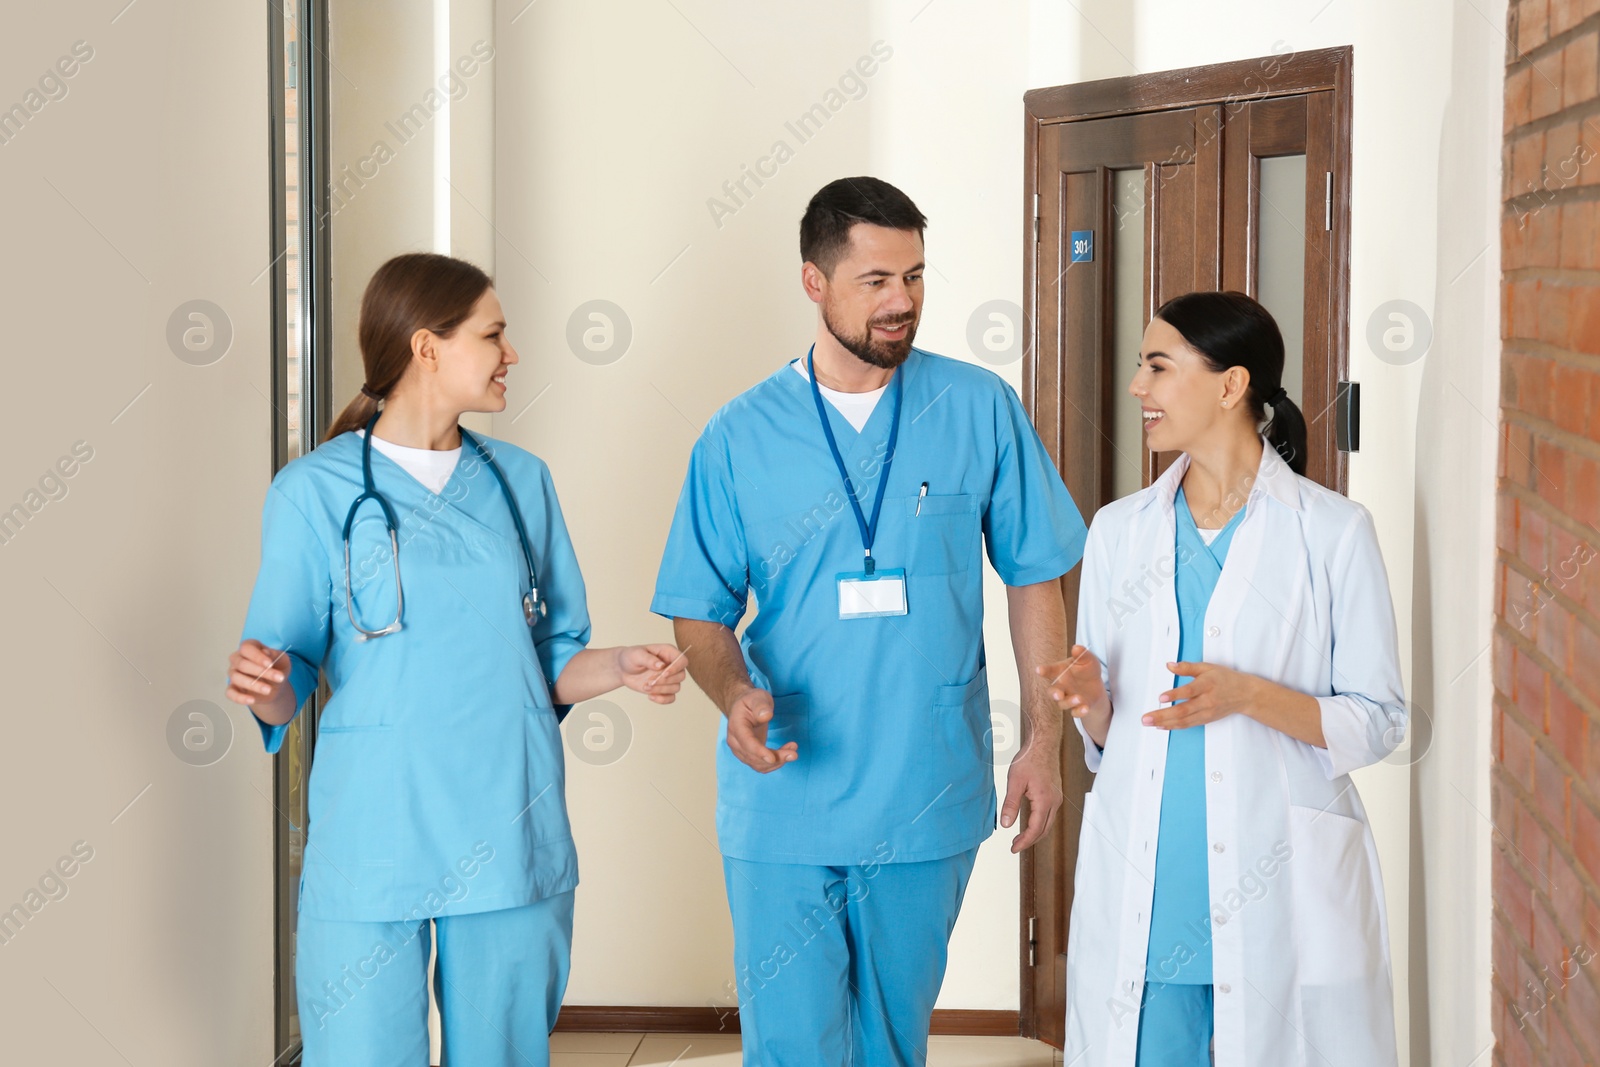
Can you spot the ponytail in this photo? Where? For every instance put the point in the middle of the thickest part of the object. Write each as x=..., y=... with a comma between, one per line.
x=411, y=292
x=355, y=415
x=1233, y=330
x=1287, y=433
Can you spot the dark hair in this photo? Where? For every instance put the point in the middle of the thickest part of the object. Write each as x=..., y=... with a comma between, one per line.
x=1232, y=330
x=839, y=205
x=416, y=291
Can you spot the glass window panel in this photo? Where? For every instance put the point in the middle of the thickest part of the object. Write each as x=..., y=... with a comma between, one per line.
x=1281, y=259
x=1127, y=329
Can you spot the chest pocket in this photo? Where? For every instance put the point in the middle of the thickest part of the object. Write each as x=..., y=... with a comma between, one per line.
x=940, y=539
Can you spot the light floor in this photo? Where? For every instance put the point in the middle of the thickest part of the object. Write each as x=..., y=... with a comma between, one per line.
x=694, y=1050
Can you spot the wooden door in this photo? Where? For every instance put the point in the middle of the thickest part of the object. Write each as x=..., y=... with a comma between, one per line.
x=1141, y=189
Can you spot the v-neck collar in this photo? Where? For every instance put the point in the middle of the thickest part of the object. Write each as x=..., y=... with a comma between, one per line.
x=455, y=473
x=875, y=427
x=1187, y=527
x=461, y=494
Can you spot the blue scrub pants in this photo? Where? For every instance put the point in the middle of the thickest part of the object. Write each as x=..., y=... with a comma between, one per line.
x=363, y=987
x=840, y=966
x=1175, y=1025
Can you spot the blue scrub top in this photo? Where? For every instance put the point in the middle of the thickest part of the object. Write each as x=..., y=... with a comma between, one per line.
x=891, y=714
x=1180, y=913
x=437, y=783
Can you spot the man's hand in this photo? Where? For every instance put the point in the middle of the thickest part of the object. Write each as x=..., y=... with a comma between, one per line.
x=1035, y=774
x=1038, y=635
x=748, y=717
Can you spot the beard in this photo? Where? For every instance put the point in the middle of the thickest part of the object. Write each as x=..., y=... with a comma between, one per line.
x=885, y=354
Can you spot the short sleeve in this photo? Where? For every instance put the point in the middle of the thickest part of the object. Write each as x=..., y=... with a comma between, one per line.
x=564, y=630
x=1032, y=529
x=705, y=570
x=292, y=602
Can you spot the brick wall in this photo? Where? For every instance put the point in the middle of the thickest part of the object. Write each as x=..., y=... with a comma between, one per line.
x=1546, y=746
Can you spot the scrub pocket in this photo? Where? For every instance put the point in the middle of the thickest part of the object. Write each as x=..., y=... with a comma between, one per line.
x=962, y=722
x=352, y=798
x=783, y=791
x=943, y=538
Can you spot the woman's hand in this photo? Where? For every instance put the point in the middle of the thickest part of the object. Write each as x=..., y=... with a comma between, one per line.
x=1076, y=685
x=1077, y=688
x=657, y=671
x=258, y=679
x=1217, y=692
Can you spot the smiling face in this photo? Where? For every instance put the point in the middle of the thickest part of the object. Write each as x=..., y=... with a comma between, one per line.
x=1184, y=401
x=873, y=300
x=473, y=360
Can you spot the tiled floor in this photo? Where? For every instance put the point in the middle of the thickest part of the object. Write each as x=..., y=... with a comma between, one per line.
x=694, y=1050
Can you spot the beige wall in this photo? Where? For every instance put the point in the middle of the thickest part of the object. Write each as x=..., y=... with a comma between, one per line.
x=143, y=188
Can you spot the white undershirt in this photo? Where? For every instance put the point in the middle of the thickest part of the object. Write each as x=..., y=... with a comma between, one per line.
x=431, y=468
x=855, y=407
x=1208, y=536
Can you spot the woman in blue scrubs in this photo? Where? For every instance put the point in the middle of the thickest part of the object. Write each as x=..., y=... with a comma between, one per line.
x=453, y=632
x=1238, y=658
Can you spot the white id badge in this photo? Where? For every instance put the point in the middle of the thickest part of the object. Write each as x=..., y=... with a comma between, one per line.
x=867, y=596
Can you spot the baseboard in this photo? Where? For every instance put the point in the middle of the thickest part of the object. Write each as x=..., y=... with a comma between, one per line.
x=601, y=1018
x=963, y=1022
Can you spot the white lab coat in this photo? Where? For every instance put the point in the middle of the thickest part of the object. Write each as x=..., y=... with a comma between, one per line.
x=1299, y=936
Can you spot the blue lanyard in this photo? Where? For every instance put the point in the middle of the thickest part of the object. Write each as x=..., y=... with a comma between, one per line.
x=869, y=531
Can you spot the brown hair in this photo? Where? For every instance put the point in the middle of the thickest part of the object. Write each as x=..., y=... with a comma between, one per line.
x=415, y=291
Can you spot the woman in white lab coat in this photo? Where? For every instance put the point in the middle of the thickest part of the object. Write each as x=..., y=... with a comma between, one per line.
x=1227, y=898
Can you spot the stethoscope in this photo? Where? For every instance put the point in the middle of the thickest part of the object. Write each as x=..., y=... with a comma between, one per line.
x=533, y=608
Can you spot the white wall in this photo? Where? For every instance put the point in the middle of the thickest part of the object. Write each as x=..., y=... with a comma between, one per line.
x=1452, y=577
x=144, y=187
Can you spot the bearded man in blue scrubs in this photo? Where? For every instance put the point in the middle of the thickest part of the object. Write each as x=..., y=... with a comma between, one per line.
x=850, y=492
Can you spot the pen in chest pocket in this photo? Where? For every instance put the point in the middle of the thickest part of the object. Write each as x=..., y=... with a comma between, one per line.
x=922, y=495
